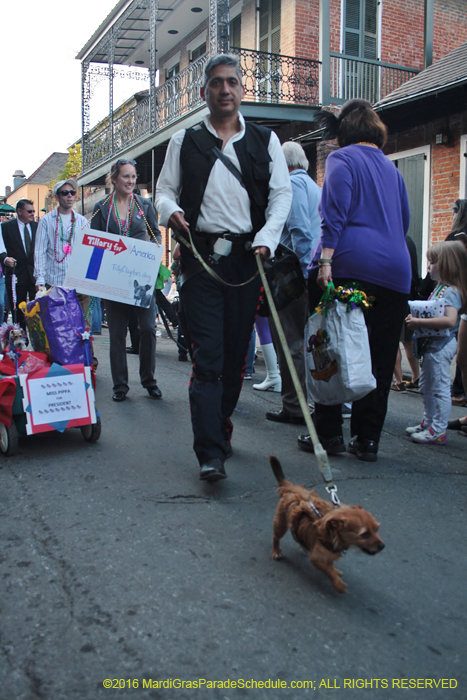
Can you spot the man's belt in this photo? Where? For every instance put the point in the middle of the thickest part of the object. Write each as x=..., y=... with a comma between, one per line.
x=205, y=242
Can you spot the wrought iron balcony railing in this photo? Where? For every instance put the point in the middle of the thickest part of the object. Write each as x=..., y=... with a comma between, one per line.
x=268, y=78
x=278, y=79
x=361, y=77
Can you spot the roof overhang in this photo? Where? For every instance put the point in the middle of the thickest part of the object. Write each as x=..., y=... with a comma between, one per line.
x=420, y=108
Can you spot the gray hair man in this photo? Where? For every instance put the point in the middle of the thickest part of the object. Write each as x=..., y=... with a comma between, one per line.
x=224, y=187
x=302, y=233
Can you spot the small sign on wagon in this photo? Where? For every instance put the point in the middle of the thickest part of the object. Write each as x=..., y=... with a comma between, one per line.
x=58, y=397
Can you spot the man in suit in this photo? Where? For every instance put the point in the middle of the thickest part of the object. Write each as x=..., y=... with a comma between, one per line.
x=17, y=256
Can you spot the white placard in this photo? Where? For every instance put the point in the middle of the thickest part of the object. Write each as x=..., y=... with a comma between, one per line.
x=58, y=398
x=114, y=267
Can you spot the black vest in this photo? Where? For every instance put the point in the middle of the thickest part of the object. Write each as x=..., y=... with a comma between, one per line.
x=197, y=160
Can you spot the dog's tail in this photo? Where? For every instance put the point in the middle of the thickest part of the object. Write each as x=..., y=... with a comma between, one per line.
x=277, y=469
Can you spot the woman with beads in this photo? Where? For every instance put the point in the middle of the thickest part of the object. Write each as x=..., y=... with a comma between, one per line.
x=365, y=217
x=127, y=214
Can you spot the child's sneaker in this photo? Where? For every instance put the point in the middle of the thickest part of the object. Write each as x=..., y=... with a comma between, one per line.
x=415, y=428
x=429, y=437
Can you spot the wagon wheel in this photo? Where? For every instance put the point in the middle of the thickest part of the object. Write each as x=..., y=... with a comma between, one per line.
x=92, y=432
x=8, y=439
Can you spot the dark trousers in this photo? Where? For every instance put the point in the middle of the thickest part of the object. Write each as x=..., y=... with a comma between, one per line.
x=117, y=317
x=133, y=329
x=164, y=304
x=219, y=321
x=384, y=320
x=293, y=319
x=22, y=292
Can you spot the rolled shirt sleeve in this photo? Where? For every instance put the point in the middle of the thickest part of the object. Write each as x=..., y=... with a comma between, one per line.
x=169, y=181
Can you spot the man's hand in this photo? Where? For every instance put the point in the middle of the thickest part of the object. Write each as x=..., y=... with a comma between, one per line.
x=11, y=262
x=263, y=252
x=178, y=223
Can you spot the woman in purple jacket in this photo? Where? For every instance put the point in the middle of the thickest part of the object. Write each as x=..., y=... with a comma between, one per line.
x=365, y=217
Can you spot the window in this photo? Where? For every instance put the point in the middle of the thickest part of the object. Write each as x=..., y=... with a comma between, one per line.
x=360, y=39
x=236, y=32
x=172, y=72
x=198, y=52
x=360, y=35
x=270, y=42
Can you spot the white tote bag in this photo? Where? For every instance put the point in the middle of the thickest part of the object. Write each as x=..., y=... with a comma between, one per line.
x=337, y=352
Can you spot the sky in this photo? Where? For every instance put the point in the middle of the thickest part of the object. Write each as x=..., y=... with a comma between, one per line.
x=41, y=80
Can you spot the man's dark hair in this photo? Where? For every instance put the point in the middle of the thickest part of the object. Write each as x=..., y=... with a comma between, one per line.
x=222, y=59
x=23, y=203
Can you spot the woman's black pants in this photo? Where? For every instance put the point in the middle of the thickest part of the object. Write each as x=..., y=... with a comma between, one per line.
x=384, y=321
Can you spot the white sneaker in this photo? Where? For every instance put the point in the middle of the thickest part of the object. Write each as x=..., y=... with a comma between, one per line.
x=429, y=437
x=411, y=430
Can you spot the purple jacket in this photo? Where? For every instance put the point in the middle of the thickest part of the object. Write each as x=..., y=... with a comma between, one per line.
x=365, y=217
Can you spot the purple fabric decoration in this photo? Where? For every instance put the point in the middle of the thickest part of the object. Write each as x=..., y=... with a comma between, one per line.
x=63, y=321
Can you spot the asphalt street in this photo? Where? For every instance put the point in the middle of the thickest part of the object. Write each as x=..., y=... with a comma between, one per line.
x=119, y=568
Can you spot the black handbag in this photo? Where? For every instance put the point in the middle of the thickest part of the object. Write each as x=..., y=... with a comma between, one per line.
x=285, y=278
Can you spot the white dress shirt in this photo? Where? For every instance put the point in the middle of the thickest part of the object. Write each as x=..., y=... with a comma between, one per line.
x=226, y=204
x=47, y=269
x=21, y=227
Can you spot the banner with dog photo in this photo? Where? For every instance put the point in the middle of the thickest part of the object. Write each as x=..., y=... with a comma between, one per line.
x=114, y=267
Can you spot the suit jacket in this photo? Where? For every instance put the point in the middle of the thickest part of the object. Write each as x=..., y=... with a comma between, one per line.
x=138, y=225
x=15, y=249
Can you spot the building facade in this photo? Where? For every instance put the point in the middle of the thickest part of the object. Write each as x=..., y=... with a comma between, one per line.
x=297, y=57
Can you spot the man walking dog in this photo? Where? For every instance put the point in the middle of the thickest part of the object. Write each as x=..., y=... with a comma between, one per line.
x=225, y=189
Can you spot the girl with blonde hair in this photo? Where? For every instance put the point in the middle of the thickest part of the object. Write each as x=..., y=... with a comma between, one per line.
x=447, y=265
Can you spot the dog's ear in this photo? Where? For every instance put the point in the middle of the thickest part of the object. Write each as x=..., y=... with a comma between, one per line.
x=147, y=287
x=135, y=283
x=336, y=523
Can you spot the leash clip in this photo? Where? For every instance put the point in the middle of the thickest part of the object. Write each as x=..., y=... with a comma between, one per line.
x=332, y=491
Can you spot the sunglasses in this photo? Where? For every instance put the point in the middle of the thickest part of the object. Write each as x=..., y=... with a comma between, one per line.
x=65, y=193
x=30, y=211
x=125, y=161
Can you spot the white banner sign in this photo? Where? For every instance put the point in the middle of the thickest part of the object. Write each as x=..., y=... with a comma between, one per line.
x=114, y=267
x=57, y=398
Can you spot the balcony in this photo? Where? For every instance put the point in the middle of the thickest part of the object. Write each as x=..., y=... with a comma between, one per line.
x=268, y=79
x=364, y=78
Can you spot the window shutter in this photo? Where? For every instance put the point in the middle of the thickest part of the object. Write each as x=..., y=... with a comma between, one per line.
x=360, y=32
x=352, y=28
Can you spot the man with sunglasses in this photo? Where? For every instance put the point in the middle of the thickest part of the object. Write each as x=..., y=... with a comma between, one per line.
x=56, y=236
x=17, y=256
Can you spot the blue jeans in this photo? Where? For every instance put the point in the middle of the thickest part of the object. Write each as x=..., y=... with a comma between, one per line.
x=250, y=358
x=96, y=317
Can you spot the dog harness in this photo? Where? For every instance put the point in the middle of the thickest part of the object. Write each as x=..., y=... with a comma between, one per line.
x=332, y=546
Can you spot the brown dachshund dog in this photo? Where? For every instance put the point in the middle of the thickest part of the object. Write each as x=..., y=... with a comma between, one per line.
x=325, y=531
